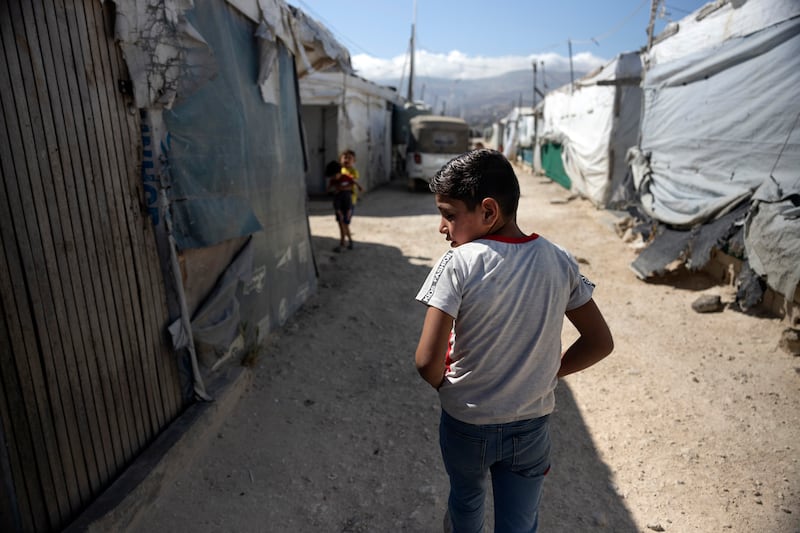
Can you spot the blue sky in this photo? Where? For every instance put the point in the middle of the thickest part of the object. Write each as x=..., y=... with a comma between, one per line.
x=479, y=38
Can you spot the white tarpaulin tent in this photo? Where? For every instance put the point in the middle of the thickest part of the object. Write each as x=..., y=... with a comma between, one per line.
x=529, y=128
x=526, y=132
x=720, y=128
x=515, y=122
x=596, y=121
x=362, y=112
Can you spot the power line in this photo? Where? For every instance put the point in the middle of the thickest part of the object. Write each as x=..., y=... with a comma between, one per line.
x=678, y=9
x=596, y=39
x=338, y=34
x=619, y=26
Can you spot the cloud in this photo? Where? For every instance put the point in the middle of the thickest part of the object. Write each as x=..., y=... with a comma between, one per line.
x=456, y=65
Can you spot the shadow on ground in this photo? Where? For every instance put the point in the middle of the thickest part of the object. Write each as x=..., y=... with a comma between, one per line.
x=579, y=493
x=684, y=279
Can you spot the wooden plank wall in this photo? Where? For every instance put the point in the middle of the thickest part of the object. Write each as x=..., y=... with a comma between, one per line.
x=87, y=379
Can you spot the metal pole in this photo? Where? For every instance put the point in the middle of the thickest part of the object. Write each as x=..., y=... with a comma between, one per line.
x=571, y=76
x=534, y=145
x=653, y=11
x=544, y=78
x=410, y=96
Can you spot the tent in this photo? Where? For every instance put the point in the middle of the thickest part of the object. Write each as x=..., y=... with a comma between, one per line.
x=529, y=128
x=593, y=122
x=515, y=122
x=494, y=135
x=223, y=170
x=343, y=111
x=720, y=138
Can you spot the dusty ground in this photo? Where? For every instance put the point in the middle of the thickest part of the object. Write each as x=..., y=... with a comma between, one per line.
x=691, y=425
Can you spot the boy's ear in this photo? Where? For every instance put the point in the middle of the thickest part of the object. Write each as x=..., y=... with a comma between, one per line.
x=491, y=210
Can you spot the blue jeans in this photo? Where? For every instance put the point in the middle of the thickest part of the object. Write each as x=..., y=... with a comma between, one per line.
x=518, y=456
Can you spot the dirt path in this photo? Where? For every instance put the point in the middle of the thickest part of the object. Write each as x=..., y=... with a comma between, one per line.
x=691, y=425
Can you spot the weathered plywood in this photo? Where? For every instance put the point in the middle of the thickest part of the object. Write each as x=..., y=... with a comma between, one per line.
x=49, y=433
x=88, y=380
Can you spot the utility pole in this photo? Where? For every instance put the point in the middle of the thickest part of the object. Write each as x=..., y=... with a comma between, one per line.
x=410, y=94
x=571, y=75
x=544, y=77
x=653, y=10
x=535, y=120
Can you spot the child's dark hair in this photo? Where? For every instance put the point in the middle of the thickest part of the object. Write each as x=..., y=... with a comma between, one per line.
x=476, y=175
x=332, y=168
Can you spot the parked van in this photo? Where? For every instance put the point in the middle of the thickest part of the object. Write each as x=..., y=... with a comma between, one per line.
x=433, y=141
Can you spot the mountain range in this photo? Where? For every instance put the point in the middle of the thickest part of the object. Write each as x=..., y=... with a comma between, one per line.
x=482, y=101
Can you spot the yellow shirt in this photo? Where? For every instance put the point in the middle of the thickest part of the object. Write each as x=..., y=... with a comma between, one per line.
x=351, y=171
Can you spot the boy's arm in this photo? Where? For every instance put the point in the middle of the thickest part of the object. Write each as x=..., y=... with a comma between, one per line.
x=432, y=347
x=333, y=182
x=593, y=344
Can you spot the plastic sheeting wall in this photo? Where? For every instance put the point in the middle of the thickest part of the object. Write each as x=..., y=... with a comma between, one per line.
x=715, y=122
x=236, y=168
x=364, y=123
x=596, y=121
x=517, y=131
x=721, y=126
x=552, y=164
x=320, y=126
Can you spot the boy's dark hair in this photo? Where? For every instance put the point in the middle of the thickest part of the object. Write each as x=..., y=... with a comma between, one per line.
x=348, y=152
x=479, y=174
x=332, y=168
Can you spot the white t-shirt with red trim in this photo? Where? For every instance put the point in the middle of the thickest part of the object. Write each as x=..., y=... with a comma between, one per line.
x=508, y=298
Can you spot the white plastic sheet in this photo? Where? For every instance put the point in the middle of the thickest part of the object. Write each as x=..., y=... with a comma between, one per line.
x=714, y=124
x=363, y=119
x=720, y=127
x=596, y=120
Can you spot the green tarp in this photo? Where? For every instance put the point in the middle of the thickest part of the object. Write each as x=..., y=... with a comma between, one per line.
x=553, y=166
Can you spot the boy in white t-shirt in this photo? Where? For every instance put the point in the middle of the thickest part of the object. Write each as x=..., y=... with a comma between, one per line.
x=491, y=342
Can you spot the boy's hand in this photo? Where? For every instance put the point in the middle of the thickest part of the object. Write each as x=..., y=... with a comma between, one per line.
x=595, y=341
x=432, y=347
